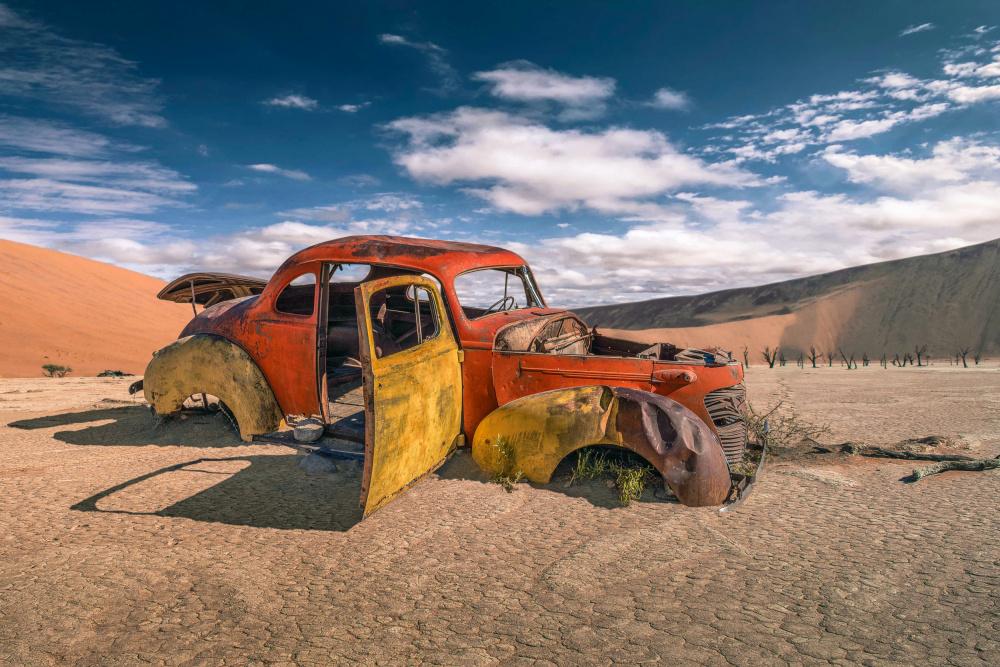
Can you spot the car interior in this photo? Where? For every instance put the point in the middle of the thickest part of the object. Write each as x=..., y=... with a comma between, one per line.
x=402, y=318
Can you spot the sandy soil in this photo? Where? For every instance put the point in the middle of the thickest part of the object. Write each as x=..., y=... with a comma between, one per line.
x=127, y=542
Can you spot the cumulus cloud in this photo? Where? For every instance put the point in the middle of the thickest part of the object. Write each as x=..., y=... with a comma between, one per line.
x=436, y=61
x=907, y=206
x=67, y=74
x=523, y=166
x=951, y=161
x=287, y=173
x=583, y=97
x=674, y=100
x=923, y=27
x=292, y=101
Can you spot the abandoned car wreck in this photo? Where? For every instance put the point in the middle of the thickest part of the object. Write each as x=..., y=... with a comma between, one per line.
x=406, y=349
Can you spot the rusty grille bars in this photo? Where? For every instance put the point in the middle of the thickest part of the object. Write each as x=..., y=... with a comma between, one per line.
x=726, y=406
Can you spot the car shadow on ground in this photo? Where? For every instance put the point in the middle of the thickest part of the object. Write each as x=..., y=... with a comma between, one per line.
x=135, y=426
x=597, y=492
x=263, y=491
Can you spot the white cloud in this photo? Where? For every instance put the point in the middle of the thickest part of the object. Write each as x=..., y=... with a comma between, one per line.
x=529, y=168
x=293, y=101
x=883, y=102
x=951, y=161
x=42, y=66
x=90, y=187
x=923, y=27
x=353, y=108
x=665, y=98
x=526, y=82
x=287, y=173
x=148, y=176
x=397, y=204
x=973, y=94
x=435, y=55
x=523, y=81
x=41, y=136
x=359, y=181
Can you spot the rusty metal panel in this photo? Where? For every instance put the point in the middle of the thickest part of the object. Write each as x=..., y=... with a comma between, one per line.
x=216, y=366
x=542, y=429
x=413, y=402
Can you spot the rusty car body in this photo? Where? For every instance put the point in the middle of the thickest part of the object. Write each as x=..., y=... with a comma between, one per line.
x=439, y=363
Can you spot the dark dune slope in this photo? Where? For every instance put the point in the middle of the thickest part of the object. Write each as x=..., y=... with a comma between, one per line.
x=946, y=301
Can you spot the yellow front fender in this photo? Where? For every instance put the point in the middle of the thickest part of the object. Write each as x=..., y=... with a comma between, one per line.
x=538, y=431
x=210, y=364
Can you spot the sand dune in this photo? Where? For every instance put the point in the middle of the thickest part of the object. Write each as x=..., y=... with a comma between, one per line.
x=944, y=301
x=62, y=309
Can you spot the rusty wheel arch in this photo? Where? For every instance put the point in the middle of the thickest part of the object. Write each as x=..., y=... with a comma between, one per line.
x=538, y=431
x=210, y=364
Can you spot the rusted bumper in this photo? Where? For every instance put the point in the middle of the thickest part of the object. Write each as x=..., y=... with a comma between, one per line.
x=743, y=485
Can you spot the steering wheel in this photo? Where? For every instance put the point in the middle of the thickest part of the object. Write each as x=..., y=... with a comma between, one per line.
x=501, y=303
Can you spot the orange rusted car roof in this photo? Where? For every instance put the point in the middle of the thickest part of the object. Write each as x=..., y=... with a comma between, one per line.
x=446, y=258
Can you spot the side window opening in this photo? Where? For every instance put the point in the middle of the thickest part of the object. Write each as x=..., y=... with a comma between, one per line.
x=403, y=318
x=298, y=297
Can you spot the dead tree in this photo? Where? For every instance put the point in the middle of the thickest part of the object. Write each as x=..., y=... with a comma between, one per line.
x=850, y=361
x=882, y=361
x=907, y=357
x=962, y=352
x=746, y=357
x=979, y=355
x=831, y=355
x=864, y=358
x=920, y=353
x=895, y=362
x=770, y=357
x=814, y=354
x=781, y=359
x=801, y=362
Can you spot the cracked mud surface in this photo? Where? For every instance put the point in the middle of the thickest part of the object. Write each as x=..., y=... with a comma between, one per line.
x=115, y=552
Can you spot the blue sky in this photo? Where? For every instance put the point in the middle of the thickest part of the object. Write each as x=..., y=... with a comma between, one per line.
x=628, y=150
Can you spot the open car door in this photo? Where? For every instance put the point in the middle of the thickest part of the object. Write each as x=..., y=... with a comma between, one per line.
x=412, y=385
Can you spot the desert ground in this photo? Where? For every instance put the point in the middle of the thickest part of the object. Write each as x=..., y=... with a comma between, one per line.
x=129, y=542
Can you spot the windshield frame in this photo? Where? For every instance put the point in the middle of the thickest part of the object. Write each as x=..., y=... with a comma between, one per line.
x=533, y=297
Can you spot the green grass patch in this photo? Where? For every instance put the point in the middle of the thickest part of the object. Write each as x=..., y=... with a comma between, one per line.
x=629, y=471
x=504, y=475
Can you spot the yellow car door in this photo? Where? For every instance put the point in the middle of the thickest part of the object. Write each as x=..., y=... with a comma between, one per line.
x=412, y=385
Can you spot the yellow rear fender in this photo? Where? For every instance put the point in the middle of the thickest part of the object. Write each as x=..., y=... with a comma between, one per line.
x=209, y=364
x=534, y=433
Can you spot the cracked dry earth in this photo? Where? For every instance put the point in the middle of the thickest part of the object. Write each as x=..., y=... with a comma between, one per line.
x=127, y=543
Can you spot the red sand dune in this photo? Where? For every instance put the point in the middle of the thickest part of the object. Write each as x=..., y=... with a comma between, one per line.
x=62, y=309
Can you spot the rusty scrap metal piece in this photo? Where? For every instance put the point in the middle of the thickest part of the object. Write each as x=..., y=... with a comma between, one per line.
x=534, y=433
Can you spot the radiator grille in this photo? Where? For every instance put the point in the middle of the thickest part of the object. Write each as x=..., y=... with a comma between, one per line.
x=726, y=407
